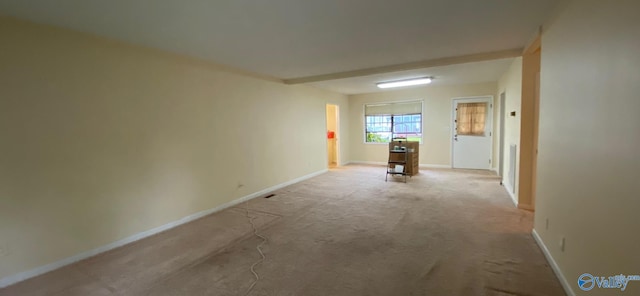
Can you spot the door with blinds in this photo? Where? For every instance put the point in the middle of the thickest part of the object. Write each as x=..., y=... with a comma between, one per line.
x=471, y=148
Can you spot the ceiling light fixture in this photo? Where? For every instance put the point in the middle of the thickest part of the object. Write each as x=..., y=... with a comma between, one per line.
x=407, y=82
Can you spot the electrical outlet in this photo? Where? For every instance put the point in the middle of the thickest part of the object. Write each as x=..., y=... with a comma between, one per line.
x=562, y=244
x=547, y=224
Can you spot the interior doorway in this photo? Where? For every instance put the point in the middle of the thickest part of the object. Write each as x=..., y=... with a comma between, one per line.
x=471, y=144
x=333, y=145
x=503, y=108
x=536, y=123
x=529, y=125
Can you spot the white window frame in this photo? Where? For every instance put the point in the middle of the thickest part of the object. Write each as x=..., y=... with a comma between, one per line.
x=364, y=119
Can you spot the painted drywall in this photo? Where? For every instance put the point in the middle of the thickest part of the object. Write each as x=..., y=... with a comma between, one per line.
x=588, y=161
x=102, y=140
x=436, y=123
x=511, y=84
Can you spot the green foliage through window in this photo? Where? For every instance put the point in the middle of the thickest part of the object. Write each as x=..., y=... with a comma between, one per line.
x=375, y=138
x=384, y=128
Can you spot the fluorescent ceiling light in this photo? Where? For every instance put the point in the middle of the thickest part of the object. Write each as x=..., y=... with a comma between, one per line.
x=408, y=82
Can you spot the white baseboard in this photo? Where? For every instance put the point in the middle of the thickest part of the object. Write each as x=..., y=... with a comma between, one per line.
x=509, y=190
x=435, y=166
x=13, y=279
x=426, y=166
x=554, y=265
x=368, y=162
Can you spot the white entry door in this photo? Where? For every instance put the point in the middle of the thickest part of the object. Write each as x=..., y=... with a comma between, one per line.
x=472, y=133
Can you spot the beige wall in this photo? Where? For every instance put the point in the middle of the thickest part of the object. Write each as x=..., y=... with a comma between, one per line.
x=436, y=147
x=589, y=139
x=102, y=140
x=511, y=84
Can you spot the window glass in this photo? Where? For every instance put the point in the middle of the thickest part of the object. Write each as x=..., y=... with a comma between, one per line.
x=470, y=119
x=382, y=128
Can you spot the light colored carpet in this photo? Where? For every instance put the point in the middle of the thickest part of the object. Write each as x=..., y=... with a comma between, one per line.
x=347, y=232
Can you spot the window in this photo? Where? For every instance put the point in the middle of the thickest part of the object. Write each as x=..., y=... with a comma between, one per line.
x=384, y=122
x=470, y=119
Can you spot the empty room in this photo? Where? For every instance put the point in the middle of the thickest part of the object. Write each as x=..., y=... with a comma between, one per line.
x=225, y=147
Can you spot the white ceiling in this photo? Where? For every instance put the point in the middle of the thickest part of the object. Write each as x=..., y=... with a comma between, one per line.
x=294, y=38
x=478, y=72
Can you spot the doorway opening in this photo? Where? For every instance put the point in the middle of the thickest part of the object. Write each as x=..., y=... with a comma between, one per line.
x=503, y=108
x=529, y=125
x=472, y=132
x=333, y=146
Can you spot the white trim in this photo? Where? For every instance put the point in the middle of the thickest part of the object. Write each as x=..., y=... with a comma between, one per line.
x=509, y=190
x=426, y=166
x=13, y=279
x=367, y=162
x=364, y=116
x=554, y=265
x=435, y=166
